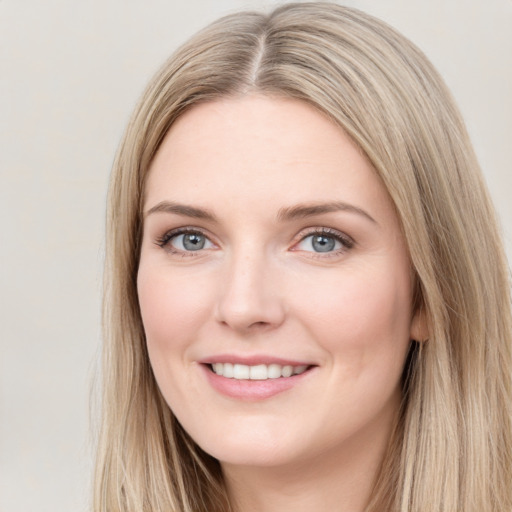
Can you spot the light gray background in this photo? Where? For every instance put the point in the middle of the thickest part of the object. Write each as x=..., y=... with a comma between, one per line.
x=70, y=73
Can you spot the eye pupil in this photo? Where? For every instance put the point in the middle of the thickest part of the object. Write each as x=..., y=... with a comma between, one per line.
x=193, y=241
x=322, y=243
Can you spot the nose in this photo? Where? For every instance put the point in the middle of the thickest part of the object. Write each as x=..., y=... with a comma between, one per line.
x=250, y=299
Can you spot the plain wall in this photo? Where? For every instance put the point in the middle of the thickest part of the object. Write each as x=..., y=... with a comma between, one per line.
x=70, y=73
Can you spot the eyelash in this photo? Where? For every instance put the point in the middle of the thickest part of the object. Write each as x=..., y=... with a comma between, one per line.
x=164, y=240
x=345, y=241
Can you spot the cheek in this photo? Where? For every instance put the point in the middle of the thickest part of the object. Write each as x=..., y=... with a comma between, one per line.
x=361, y=319
x=171, y=308
x=362, y=323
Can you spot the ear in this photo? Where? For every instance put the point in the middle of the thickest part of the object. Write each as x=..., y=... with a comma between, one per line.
x=419, y=326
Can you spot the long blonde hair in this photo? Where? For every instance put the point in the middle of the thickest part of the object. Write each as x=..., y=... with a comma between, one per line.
x=452, y=448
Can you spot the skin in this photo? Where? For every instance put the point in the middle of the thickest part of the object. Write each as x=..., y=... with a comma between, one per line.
x=259, y=287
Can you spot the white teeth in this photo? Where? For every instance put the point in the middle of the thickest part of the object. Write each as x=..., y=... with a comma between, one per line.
x=287, y=371
x=227, y=371
x=274, y=371
x=257, y=372
x=240, y=371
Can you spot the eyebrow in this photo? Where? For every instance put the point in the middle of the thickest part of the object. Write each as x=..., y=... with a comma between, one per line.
x=285, y=214
x=309, y=210
x=181, y=209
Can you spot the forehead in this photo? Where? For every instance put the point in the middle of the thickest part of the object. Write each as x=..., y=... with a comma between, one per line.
x=255, y=148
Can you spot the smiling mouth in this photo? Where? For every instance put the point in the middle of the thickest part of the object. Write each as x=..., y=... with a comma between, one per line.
x=256, y=372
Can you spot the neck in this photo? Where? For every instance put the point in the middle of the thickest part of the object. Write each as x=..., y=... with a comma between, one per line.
x=340, y=480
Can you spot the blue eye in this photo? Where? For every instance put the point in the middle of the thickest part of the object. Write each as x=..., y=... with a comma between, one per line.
x=190, y=242
x=325, y=241
x=319, y=243
x=184, y=241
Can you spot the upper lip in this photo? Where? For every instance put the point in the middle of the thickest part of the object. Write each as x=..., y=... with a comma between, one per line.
x=253, y=360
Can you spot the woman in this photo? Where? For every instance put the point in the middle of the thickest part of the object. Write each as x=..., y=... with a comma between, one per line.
x=307, y=301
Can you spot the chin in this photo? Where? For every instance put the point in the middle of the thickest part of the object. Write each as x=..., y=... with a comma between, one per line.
x=250, y=447
x=250, y=455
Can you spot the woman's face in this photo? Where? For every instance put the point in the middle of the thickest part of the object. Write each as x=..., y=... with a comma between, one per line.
x=274, y=284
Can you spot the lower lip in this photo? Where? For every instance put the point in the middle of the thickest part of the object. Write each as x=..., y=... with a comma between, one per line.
x=252, y=390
